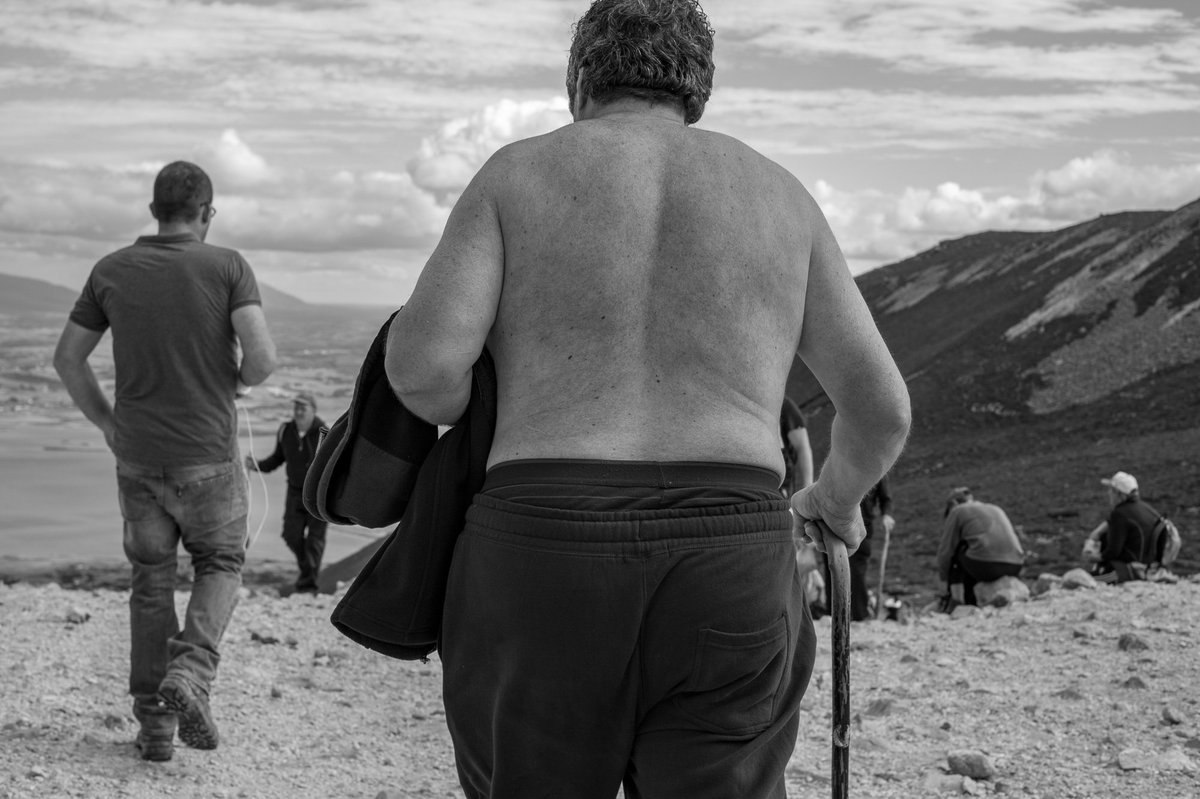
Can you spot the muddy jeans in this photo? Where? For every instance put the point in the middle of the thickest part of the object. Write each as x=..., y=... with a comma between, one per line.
x=203, y=507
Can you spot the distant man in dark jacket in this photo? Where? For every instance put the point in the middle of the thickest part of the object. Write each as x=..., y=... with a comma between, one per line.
x=1126, y=539
x=295, y=445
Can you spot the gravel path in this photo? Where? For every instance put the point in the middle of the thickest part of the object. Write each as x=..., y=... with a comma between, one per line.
x=1075, y=694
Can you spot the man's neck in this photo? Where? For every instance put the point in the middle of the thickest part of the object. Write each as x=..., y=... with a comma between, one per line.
x=180, y=228
x=632, y=109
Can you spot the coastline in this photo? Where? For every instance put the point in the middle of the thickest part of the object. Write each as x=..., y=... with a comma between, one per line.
x=114, y=573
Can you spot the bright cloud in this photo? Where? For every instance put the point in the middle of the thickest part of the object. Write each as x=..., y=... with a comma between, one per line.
x=232, y=163
x=448, y=160
x=875, y=228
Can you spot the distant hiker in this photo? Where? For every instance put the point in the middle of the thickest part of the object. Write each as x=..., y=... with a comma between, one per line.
x=296, y=444
x=178, y=309
x=978, y=545
x=798, y=474
x=622, y=605
x=1124, y=545
x=797, y=450
x=876, y=509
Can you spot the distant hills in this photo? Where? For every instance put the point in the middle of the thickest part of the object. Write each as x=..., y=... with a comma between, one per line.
x=24, y=295
x=1099, y=321
x=21, y=295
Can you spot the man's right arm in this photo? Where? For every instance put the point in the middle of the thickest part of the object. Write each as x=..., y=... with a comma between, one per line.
x=75, y=345
x=258, y=350
x=843, y=349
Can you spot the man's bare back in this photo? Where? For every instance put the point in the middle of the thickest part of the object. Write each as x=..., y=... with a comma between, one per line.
x=645, y=265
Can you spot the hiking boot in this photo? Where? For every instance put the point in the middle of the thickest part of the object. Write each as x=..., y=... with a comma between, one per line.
x=196, y=726
x=156, y=746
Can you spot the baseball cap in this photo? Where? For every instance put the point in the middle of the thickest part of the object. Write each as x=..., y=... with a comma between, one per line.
x=306, y=398
x=960, y=494
x=1121, y=481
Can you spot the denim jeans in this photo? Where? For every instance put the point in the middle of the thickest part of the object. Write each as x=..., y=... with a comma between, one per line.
x=203, y=507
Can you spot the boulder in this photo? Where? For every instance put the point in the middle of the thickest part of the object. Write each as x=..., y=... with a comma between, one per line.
x=1046, y=583
x=971, y=763
x=1005, y=591
x=964, y=611
x=1078, y=578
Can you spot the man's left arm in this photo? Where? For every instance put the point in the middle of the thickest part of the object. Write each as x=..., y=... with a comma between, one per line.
x=435, y=339
x=75, y=345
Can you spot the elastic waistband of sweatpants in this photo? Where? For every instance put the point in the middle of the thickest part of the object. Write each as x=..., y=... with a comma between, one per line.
x=767, y=520
x=660, y=474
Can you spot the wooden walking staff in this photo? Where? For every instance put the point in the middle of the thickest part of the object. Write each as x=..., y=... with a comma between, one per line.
x=839, y=592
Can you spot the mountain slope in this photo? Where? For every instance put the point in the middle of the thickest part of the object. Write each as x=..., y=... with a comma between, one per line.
x=22, y=295
x=1007, y=325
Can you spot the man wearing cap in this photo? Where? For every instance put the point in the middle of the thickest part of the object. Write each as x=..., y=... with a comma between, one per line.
x=1126, y=539
x=978, y=545
x=296, y=444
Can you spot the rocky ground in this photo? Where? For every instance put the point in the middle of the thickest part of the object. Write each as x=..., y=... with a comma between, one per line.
x=1084, y=693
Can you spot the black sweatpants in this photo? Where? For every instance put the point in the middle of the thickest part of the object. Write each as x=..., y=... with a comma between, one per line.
x=625, y=622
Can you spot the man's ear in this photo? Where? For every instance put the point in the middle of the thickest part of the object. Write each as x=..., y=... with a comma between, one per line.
x=153, y=211
x=577, y=106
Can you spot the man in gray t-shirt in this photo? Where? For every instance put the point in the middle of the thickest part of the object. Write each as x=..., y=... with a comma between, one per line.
x=178, y=309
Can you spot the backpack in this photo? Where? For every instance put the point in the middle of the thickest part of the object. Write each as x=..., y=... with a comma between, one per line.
x=1167, y=541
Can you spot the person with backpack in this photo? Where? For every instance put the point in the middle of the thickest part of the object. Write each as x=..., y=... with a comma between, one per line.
x=1123, y=547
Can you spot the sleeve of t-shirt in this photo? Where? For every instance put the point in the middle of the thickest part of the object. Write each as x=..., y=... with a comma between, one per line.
x=87, y=311
x=243, y=289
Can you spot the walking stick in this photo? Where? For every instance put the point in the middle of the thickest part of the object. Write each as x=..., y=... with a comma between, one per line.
x=839, y=574
x=880, y=609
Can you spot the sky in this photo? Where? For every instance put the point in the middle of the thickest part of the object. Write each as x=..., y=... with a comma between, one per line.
x=338, y=133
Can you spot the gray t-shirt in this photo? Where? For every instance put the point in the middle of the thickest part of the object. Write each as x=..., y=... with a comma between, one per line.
x=168, y=300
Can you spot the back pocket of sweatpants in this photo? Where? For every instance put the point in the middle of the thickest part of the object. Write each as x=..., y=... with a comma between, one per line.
x=735, y=678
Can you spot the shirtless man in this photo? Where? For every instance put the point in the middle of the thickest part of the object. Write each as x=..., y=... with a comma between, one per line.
x=622, y=603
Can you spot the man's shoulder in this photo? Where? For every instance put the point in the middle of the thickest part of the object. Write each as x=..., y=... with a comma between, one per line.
x=218, y=253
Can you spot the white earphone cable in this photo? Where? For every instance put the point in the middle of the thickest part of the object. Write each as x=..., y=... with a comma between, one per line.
x=252, y=537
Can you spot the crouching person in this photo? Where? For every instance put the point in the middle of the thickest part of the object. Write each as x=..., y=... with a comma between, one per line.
x=978, y=545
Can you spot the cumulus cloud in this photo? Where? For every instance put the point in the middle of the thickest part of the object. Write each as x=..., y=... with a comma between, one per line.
x=1109, y=180
x=265, y=207
x=875, y=228
x=231, y=163
x=447, y=160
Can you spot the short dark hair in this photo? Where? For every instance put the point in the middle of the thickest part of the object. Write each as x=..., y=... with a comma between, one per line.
x=656, y=50
x=179, y=191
